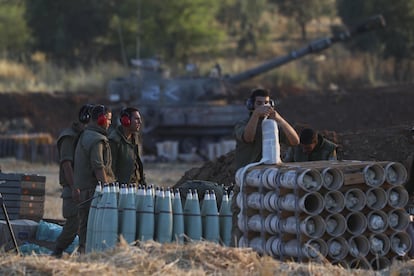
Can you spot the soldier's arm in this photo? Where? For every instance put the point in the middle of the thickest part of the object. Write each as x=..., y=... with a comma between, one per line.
x=101, y=175
x=251, y=127
x=98, y=162
x=291, y=135
x=68, y=172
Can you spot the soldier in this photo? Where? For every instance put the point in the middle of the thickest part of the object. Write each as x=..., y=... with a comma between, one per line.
x=313, y=147
x=92, y=164
x=248, y=134
x=66, y=144
x=126, y=162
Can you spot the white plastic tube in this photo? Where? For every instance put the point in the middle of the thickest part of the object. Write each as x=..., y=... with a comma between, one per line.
x=333, y=178
x=310, y=203
x=374, y=175
x=337, y=248
x=310, y=226
x=379, y=244
x=376, y=198
x=334, y=201
x=398, y=219
x=270, y=142
x=397, y=196
x=309, y=180
x=312, y=249
x=377, y=221
x=335, y=224
x=270, y=178
x=395, y=173
x=254, y=178
x=356, y=223
x=358, y=246
x=400, y=243
x=355, y=199
x=270, y=201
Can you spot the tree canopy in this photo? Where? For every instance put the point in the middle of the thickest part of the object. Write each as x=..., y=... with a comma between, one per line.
x=80, y=31
x=396, y=41
x=14, y=33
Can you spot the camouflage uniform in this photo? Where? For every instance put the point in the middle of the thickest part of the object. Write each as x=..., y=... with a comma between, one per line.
x=66, y=143
x=126, y=162
x=324, y=150
x=92, y=152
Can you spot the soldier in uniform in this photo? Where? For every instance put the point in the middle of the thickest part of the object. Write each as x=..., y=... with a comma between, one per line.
x=92, y=164
x=248, y=134
x=313, y=147
x=66, y=144
x=123, y=140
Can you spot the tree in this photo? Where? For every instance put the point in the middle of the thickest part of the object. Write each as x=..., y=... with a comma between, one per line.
x=14, y=34
x=304, y=11
x=396, y=40
x=243, y=20
x=175, y=28
x=68, y=30
x=171, y=29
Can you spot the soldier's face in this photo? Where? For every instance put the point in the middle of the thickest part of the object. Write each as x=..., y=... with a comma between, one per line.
x=136, y=121
x=108, y=120
x=261, y=101
x=308, y=148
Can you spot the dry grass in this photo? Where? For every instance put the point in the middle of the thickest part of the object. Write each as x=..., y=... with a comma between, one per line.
x=151, y=258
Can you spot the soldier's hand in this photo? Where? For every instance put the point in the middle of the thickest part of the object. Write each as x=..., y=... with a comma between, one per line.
x=263, y=111
x=76, y=195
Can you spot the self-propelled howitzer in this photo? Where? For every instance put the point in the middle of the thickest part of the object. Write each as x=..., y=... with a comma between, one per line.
x=194, y=111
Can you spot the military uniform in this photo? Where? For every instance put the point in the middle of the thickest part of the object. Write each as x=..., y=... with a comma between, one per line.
x=246, y=153
x=126, y=162
x=92, y=152
x=66, y=143
x=324, y=150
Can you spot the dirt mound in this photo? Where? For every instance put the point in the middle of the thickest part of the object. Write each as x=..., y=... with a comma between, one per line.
x=368, y=124
x=46, y=112
x=385, y=144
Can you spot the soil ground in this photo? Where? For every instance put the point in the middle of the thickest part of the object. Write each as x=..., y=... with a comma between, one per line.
x=368, y=124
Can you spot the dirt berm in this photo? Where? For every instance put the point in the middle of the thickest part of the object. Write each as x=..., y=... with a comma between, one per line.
x=368, y=124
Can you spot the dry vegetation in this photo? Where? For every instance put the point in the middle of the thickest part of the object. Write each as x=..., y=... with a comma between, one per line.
x=152, y=258
x=200, y=258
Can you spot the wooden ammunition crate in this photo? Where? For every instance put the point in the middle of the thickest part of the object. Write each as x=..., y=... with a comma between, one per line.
x=23, y=195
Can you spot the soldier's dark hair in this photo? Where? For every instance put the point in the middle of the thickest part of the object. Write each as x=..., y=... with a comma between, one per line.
x=259, y=92
x=98, y=110
x=128, y=111
x=308, y=136
x=85, y=113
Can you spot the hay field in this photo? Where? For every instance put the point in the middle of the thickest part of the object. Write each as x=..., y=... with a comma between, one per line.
x=152, y=258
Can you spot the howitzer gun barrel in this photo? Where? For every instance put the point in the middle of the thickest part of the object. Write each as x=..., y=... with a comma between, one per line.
x=372, y=23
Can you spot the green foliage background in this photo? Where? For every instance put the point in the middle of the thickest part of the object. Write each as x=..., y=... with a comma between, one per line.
x=235, y=33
